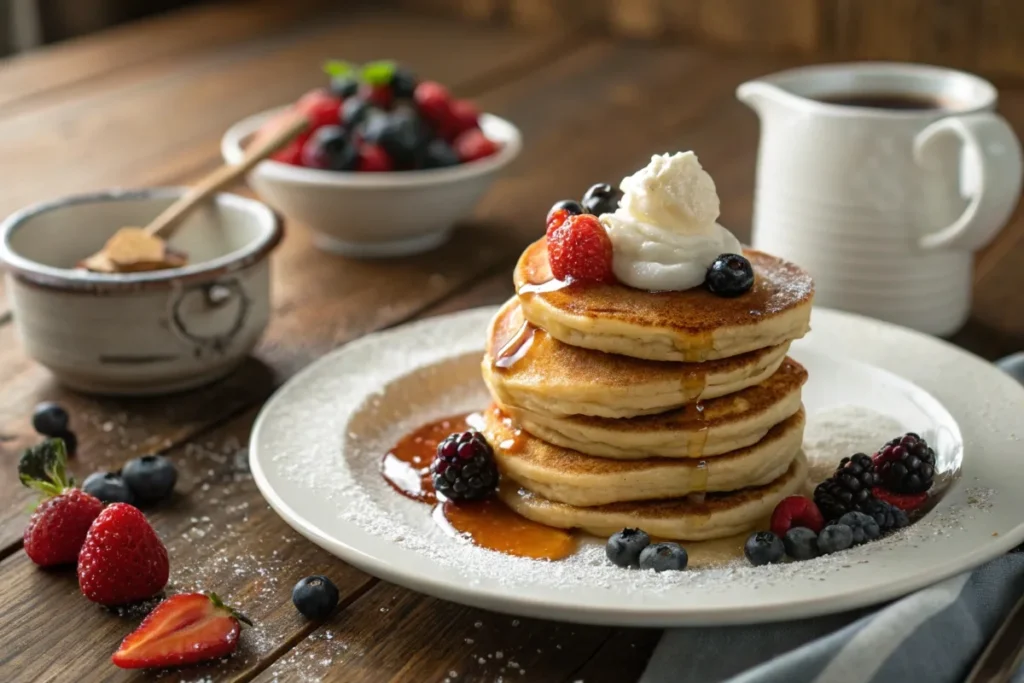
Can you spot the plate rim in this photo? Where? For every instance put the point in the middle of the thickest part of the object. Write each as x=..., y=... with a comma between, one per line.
x=492, y=598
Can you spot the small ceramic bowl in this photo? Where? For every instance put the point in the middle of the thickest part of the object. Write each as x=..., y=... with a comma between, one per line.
x=139, y=333
x=374, y=215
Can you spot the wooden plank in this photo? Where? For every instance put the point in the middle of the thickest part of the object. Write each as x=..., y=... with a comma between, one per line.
x=79, y=63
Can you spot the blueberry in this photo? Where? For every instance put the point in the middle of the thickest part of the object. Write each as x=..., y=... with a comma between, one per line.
x=571, y=205
x=624, y=547
x=801, y=543
x=662, y=557
x=764, y=547
x=864, y=527
x=151, y=478
x=315, y=597
x=344, y=87
x=730, y=275
x=70, y=442
x=353, y=111
x=50, y=419
x=109, y=487
x=439, y=154
x=403, y=137
x=330, y=148
x=835, y=537
x=403, y=83
x=372, y=126
x=601, y=198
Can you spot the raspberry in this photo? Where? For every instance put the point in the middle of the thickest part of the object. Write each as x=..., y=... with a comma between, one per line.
x=292, y=152
x=379, y=96
x=473, y=145
x=906, y=464
x=433, y=101
x=373, y=158
x=796, y=511
x=464, y=467
x=908, y=502
x=320, y=107
x=463, y=115
x=579, y=249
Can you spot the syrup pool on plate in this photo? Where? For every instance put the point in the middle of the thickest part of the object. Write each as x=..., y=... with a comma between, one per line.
x=489, y=523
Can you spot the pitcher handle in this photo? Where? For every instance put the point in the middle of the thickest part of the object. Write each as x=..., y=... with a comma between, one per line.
x=994, y=150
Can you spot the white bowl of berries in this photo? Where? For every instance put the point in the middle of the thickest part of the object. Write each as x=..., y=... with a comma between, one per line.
x=388, y=166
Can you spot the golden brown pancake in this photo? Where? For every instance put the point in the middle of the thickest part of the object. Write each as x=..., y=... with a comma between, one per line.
x=567, y=476
x=711, y=427
x=692, y=325
x=526, y=367
x=716, y=516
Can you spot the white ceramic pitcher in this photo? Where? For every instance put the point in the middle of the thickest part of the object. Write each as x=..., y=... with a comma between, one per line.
x=884, y=206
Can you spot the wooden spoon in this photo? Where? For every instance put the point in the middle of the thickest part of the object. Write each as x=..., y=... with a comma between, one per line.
x=133, y=249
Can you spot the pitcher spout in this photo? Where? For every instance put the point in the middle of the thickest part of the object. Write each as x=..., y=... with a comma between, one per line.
x=761, y=95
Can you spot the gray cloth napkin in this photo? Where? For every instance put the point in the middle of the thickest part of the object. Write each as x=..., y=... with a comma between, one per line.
x=934, y=635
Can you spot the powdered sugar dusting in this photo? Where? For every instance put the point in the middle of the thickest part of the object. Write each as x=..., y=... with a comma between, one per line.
x=386, y=385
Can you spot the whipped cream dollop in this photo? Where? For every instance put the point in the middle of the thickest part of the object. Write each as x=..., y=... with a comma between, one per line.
x=664, y=234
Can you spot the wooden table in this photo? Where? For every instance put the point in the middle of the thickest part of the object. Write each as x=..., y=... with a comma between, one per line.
x=146, y=105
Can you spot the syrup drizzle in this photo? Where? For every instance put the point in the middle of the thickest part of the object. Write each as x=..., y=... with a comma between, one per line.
x=489, y=523
x=517, y=348
x=532, y=288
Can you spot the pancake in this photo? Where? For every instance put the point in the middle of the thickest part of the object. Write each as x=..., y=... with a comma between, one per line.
x=717, y=516
x=539, y=373
x=711, y=427
x=693, y=325
x=567, y=476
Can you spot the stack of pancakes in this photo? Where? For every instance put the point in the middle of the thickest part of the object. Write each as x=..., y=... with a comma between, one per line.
x=675, y=412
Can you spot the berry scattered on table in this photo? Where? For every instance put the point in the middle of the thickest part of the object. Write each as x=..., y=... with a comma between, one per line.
x=58, y=527
x=50, y=419
x=835, y=537
x=315, y=597
x=464, y=467
x=418, y=124
x=570, y=206
x=70, y=443
x=888, y=516
x=729, y=275
x=796, y=511
x=864, y=527
x=764, y=547
x=847, y=489
x=601, y=198
x=908, y=502
x=151, y=478
x=801, y=543
x=580, y=249
x=624, y=547
x=108, y=487
x=906, y=464
x=664, y=557
x=183, y=629
x=122, y=559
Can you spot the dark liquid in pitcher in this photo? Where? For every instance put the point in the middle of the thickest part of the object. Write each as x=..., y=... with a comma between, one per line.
x=901, y=101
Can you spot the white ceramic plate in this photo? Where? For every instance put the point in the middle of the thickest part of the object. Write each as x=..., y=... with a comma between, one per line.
x=317, y=445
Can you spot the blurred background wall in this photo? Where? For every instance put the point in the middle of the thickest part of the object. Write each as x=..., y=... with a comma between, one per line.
x=947, y=32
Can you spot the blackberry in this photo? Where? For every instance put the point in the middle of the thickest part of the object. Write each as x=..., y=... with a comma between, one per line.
x=907, y=464
x=464, y=467
x=888, y=516
x=849, y=488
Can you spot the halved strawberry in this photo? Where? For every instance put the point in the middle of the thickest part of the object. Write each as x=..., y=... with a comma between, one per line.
x=907, y=502
x=183, y=629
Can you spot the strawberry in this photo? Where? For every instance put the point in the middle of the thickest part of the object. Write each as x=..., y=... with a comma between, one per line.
x=433, y=101
x=908, y=502
x=555, y=220
x=796, y=511
x=579, y=249
x=373, y=158
x=320, y=107
x=58, y=528
x=183, y=629
x=292, y=152
x=473, y=144
x=463, y=115
x=123, y=560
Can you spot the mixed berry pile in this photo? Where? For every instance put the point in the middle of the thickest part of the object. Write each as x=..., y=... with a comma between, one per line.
x=579, y=249
x=380, y=117
x=866, y=498
x=120, y=558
